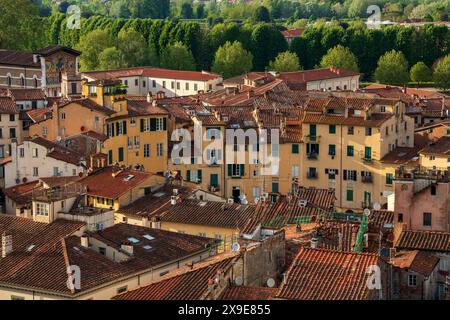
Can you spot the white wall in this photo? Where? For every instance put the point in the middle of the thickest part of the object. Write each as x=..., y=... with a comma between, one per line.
x=352, y=83
x=22, y=167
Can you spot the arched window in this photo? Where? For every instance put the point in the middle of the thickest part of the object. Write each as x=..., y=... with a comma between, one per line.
x=8, y=80
x=35, y=82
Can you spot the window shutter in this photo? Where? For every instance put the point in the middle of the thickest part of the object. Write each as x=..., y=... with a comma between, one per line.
x=112, y=129
x=142, y=125
x=108, y=133
x=153, y=124
x=164, y=124
x=117, y=128
x=336, y=171
x=124, y=127
x=188, y=175
x=326, y=171
x=242, y=169
x=199, y=176
x=345, y=174
x=230, y=170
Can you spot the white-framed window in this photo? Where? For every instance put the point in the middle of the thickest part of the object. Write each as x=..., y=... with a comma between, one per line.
x=21, y=152
x=35, y=172
x=255, y=192
x=133, y=122
x=187, y=85
x=146, y=150
x=159, y=124
x=55, y=171
x=137, y=142
x=159, y=149
x=130, y=143
x=431, y=158
x=41, y=209
x=63, y=116
x=44, y=131
x=412, y=280
x=295, y=171
x=195, y=87
x=119, y=128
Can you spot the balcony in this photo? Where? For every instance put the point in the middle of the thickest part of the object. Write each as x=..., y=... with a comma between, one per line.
x=312, y=138
x=367, y=179
x=312, y=156
x=367, y=160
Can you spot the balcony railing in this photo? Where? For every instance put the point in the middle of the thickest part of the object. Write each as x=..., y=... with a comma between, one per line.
x=312, y=138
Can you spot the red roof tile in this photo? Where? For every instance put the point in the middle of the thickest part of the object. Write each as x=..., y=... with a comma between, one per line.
x=424, y=240
x=7, y=106
x=249, y=293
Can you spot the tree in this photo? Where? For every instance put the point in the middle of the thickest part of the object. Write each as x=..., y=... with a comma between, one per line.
x=187, y=12
x=261, y=14
x=286, y=62
x=340, y=57
x=266, y=43
x=91, y=45
x=232, y=59
x=441, y=75
x=420, y=73
x=15, y=32
x=133, y=47
x=392, y=68
x=200, y=11
x=178, y=57
x=119, y=9
x=111, y=58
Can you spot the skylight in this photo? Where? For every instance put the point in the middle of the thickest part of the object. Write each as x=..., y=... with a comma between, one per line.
x=133, y=240
x=159, y=194
x=31, y=247
x=148, y=237
x=147, y=247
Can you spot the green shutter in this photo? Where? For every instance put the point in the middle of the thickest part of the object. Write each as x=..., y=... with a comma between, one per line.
x=199, y=176
x=214, y=180
x=107, y=130
x=110, y=157
x=188, y=175
x=153, y=124
x=120, y=154
x=117, y=128
x=142, y=125
x=230, y=170
x=164, y=124
x=112, y=129
x=124, y=127
x=242, y=168
x=295, y=148
x=349, y=195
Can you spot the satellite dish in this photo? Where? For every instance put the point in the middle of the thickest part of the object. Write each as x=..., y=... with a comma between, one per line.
x=367, y=212
x=270, y=283
x=236, y=247
x=238, y=281
x=377, y=206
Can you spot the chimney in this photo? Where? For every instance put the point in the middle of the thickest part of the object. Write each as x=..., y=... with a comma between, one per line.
x=85, y=241
x=7, y=247
x=127, y=247
x=314, y=242
x=156, y=224
x=211, y=285
x=149, y=97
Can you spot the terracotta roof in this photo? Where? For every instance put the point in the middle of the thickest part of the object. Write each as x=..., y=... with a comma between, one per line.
x=95, y=135
x=103, y=184
x=55, y=48
x=156, y=202
x=209, y=120
x=152, y=73
x=21, y=194
x=248, y=293
x=41, y=114
x=376, y=120
x=7, y=106
x=57, y=151
x=184, y=284
x=424, y=240
x=320, y=274
x=209, y=213
x=89, y=104
x=378, y=218
x=418, y=261
x=440, y=148
x=53, y=182
x=300, y=77
x=27, y=94
x=402, y=155
x=141, y=108
x=331, y=231
x=18, y=58
x=292, y=33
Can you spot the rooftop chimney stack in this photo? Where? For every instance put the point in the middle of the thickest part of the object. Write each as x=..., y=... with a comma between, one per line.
x=127, y=247
x=7, y=247
x=85, y=241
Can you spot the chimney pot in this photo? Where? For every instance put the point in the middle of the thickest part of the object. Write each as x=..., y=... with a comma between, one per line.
x=7, y=246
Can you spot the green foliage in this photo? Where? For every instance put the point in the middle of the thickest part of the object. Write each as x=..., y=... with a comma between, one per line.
x=178, y=57
x=441, y=75
x=187, y=12
x=286, y=62
x=232, y=59
x=133, y=47
x=111, y=58
x=266, y=43
x=261, y=14
x=341, y=57
x=91, y=45
x=392, y=68
x=420, y=73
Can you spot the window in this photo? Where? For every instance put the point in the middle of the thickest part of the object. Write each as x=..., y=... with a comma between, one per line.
x=195, y=87
x=21, y=152
x=350, y=175
x=412, y=280
x=2, y=151
x=55, y=171
x=41, y=209
x=132, y=122
x=130, y=143
x=400, y=218
x=187, y=85
x=12, y=117
x=332, y=149
x=382, y=108
x=236, y=170
x=255, y=192
x=159, y=124
x=433, y=190
x=102, y=251
x=8, y=80
x=312, y=130
x=144, y=83
x=35, y=172
x=295, y=171
x=331, y=173
x=164, y=84
x=146, y=150
x=154, y=83
x=136, y=82
x=159, y=149
x=350, y=151
x=17, y=298
x=137, y=143
x=275, y=187
x=312, y=173
x=367, y=153
x=295, y=148
x=22, y=81
x=178, y=86
x=389, y=178
x=427, y=219
x=126, y=82
x=172, y=85
x=332, y=129
x=120, y=154
x=351, y=130
x=368, y=131
x=349, y=195
x=63, y=116
x=432, y=158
